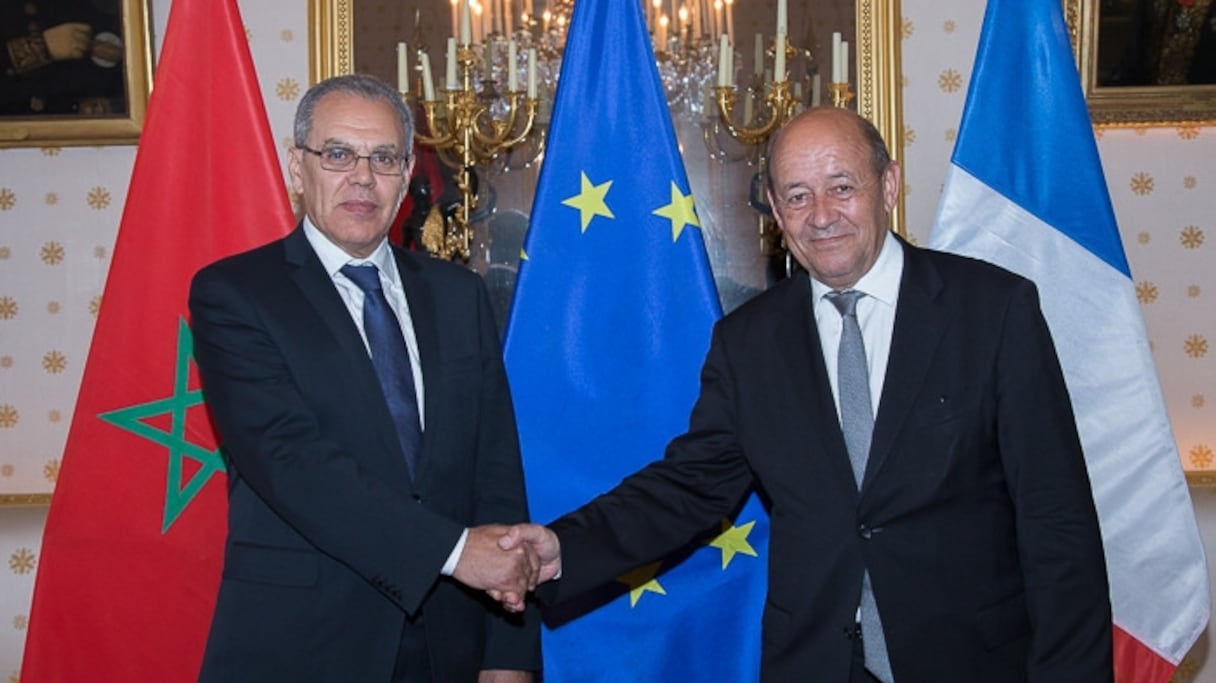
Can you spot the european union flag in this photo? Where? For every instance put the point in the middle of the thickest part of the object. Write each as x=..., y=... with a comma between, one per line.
x=611, y=320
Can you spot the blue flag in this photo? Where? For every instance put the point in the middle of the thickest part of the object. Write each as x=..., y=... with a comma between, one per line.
x=613, y=309
x=1025, y=190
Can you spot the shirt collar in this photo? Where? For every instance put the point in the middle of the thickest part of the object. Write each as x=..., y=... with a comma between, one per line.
x=333, y=258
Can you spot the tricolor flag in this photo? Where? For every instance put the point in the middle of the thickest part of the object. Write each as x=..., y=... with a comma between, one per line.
x=611, y=320
x=1025, y=190
x=134, y=540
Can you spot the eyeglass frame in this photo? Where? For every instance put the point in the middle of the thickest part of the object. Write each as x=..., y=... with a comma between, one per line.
x=402, y=160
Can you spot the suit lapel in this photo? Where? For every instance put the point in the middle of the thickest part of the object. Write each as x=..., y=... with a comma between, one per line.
x=318, y=289
x=801, y=359
x=920, y=323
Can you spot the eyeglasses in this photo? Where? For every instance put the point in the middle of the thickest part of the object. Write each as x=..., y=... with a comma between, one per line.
x=344, y=159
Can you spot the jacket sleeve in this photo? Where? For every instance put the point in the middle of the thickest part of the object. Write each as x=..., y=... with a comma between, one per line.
x=1067, y=595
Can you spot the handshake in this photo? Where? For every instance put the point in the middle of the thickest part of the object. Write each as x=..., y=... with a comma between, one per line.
x=508, y=562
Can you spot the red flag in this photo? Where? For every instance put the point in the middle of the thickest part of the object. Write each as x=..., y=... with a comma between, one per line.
x=133, y=545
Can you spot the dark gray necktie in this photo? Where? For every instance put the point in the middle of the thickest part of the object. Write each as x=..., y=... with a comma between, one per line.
x=857, y=423
x=391, y=358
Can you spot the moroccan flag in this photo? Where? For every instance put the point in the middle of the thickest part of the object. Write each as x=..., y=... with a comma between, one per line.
x=1025, y=190
x=131, y=555
x=613, y=309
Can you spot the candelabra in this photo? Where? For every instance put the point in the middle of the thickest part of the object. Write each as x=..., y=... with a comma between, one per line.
x=841, y=95
x=777, y=105
x=465, y=126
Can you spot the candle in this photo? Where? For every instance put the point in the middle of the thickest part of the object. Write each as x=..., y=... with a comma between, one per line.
x=455, y=17
x=779, y=57
x=508, y=18
x=782, y=21
x=403, y=69
x=663, y=32
x=450, y=81
x=719, y=23
x=730, y=20
x=844, y=62
x=512, y=76
x=682, y=15
x=488, y=60
x=656, y=11
x=544, y=20
x=532, y=73
x=747, y=107
x=428, y=86
x=759, y=66
x=723, y=62
x=815, y=87
x=836, y=57
x=466, y=23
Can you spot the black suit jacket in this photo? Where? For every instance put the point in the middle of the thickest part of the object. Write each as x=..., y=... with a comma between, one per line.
x=975, y=517
x=330, y=546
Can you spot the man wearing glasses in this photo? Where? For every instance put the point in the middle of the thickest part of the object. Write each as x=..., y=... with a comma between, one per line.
x=365, y=416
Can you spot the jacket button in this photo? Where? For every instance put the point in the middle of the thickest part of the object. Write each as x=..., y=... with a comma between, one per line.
x=864, y=531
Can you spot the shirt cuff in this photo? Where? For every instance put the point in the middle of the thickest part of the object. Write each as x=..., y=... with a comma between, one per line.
x=449, y=567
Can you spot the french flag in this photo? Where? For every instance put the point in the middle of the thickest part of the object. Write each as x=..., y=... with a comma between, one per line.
x=1025, y=190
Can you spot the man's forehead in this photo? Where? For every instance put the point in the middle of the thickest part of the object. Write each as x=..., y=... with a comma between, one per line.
x=811, y=166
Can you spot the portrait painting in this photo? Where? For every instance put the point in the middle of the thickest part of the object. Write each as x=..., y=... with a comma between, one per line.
x=75, y=72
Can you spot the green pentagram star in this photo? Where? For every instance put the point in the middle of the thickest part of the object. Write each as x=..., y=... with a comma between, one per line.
x=177, y=497
x=590, y=200
x=680, y=212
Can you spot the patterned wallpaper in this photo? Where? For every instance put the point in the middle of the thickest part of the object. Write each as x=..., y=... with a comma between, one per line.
x=60, y=209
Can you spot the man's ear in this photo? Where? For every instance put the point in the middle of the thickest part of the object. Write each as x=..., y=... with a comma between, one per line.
x=295, y=169
x=891, y=179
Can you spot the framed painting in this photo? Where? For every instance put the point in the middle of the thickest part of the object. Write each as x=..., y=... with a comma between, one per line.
x=75, y=72
x=1146, y=62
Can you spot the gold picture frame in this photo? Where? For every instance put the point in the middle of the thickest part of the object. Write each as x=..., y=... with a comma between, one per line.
x=61, y=130
x=1130, y=105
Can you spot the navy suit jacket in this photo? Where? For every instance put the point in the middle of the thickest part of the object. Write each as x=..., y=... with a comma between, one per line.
x=330, y=545
x=975, y=517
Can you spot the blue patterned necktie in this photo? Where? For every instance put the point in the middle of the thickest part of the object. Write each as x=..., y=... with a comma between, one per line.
x=391, y=359
x=857, y=423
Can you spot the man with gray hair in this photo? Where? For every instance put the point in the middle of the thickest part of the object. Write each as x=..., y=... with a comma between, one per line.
x=366, y=421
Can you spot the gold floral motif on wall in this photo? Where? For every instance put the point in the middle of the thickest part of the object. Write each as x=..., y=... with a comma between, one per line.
x=22, y=561
x=1142, y=184
x=950, y=81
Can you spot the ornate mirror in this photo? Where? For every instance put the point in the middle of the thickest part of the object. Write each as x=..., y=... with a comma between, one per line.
x=361, y=35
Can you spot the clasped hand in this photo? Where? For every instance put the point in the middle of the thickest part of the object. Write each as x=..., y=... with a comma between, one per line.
x=508, y=562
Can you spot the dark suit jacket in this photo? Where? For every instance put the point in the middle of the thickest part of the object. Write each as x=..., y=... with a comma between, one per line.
x=330, y=546
x=975, y=517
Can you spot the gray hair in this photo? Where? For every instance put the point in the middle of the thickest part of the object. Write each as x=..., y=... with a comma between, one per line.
x=359, y=85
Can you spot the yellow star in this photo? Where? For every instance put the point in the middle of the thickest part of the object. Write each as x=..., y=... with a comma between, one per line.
x=733, y=539
x=590, y=200
x=680, y=212
x=641, y=580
